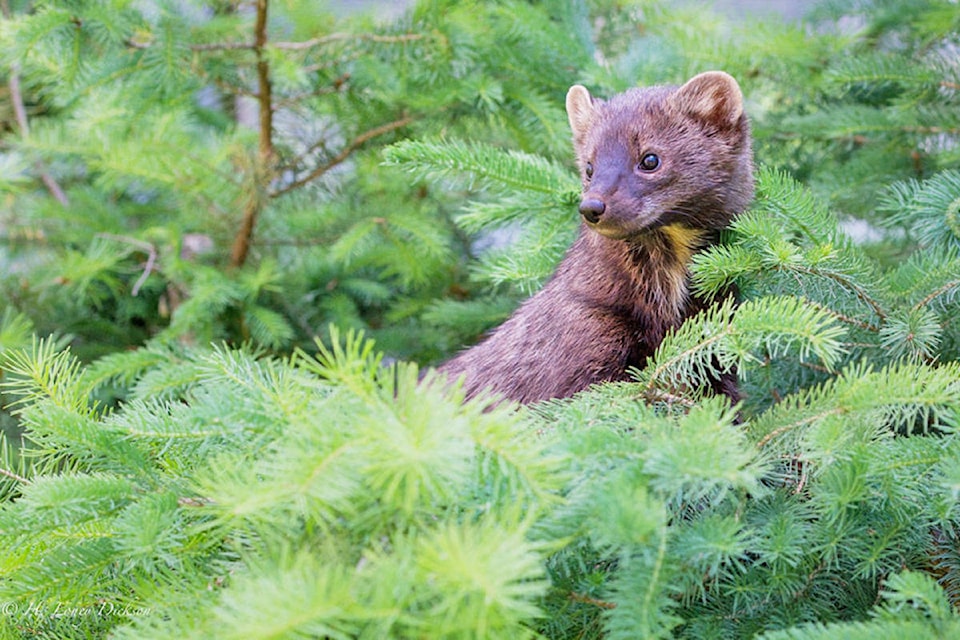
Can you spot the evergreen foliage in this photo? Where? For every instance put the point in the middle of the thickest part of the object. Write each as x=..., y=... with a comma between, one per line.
x=235, y=470
x=194, y=452
x=174, y=169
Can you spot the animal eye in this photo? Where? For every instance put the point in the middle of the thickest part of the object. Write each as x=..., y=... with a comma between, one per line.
x=649, y=162
x=588, y=170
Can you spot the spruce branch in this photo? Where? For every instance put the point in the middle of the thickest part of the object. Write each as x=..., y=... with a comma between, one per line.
x=845, y=282
x=300, y=45
x=844, y=318
x=659, y=395
x=13, y=476
x=334, y=87
x=343, y=154
x=666, y=364
x=945, y=288
x=928, y=208
x=209, y=46
x=652, y=590
x=146, y=247
x=902, y=395
x=585, y=599
x=402, y=38
x=729, y=337
x=20, y=114
x=44, y=371
x=354, y=363
x=483, y=165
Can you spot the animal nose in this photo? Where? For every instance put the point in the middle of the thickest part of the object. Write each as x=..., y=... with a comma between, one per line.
x=591, y=209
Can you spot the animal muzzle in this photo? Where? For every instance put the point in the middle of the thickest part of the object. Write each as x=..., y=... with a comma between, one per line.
x=592, y=209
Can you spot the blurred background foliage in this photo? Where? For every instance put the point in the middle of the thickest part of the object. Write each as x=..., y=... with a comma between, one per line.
x=154, y=191
x=256, y=174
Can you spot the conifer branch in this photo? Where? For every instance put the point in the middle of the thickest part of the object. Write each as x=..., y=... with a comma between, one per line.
x=669, y=363
x=934, y=294
x=13, y=476
x=334, y=87
x=20, y=115
x=659, y=395
x=485, y=165
x=843, y=318
x=329, y=64
x=815, y=367
x=304, y=44
x=845, y=283
x=215, y=46
x=776, y=433
x=344, y=153
x=148, y=248
x=338, y=37
x=657, y=568
x=585, y=599
x=931, y=130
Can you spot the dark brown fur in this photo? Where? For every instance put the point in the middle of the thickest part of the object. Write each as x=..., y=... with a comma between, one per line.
x=624, y=282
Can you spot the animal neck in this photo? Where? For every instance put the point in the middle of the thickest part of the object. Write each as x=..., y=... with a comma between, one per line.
x=648, y=272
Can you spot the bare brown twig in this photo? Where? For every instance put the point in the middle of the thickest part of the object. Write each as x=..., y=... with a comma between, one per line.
x=20, y=114
x=147, y=248
x=939, y=292
x=352, y=146
x=295, y=46
x=13, y=476
x=338, y=37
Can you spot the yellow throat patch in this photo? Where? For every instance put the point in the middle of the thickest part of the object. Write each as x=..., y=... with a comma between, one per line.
x=684, y=241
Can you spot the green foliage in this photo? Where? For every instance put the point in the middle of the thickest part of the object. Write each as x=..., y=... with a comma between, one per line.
x=413, y=182
x=742, y=339
x=546, y=191
x=335, y=495
x=127, y=505
x=887, y=109
x=154, y=203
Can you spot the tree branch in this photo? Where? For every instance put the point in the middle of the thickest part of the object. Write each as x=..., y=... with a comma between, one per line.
x=585, y=599
x=20, y=113
x=147, y=248
x=842, y=318
x=337, y=37
x=354, y=144
x=334, y=87
x=939, y=292
x=13, y=476
x=776, y=433
x=294, y=46
x=844, y=282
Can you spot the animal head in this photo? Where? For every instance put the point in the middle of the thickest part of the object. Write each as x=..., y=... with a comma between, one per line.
x=662, y=156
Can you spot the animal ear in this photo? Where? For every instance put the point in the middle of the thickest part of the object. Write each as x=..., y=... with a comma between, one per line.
x=580, y=111
x=713, y=96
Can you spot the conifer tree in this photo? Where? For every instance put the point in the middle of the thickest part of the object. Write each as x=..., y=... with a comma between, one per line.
x=198, y=490
x=173, y=170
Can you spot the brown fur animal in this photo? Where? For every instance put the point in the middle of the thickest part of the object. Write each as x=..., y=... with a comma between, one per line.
x=663, y=169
